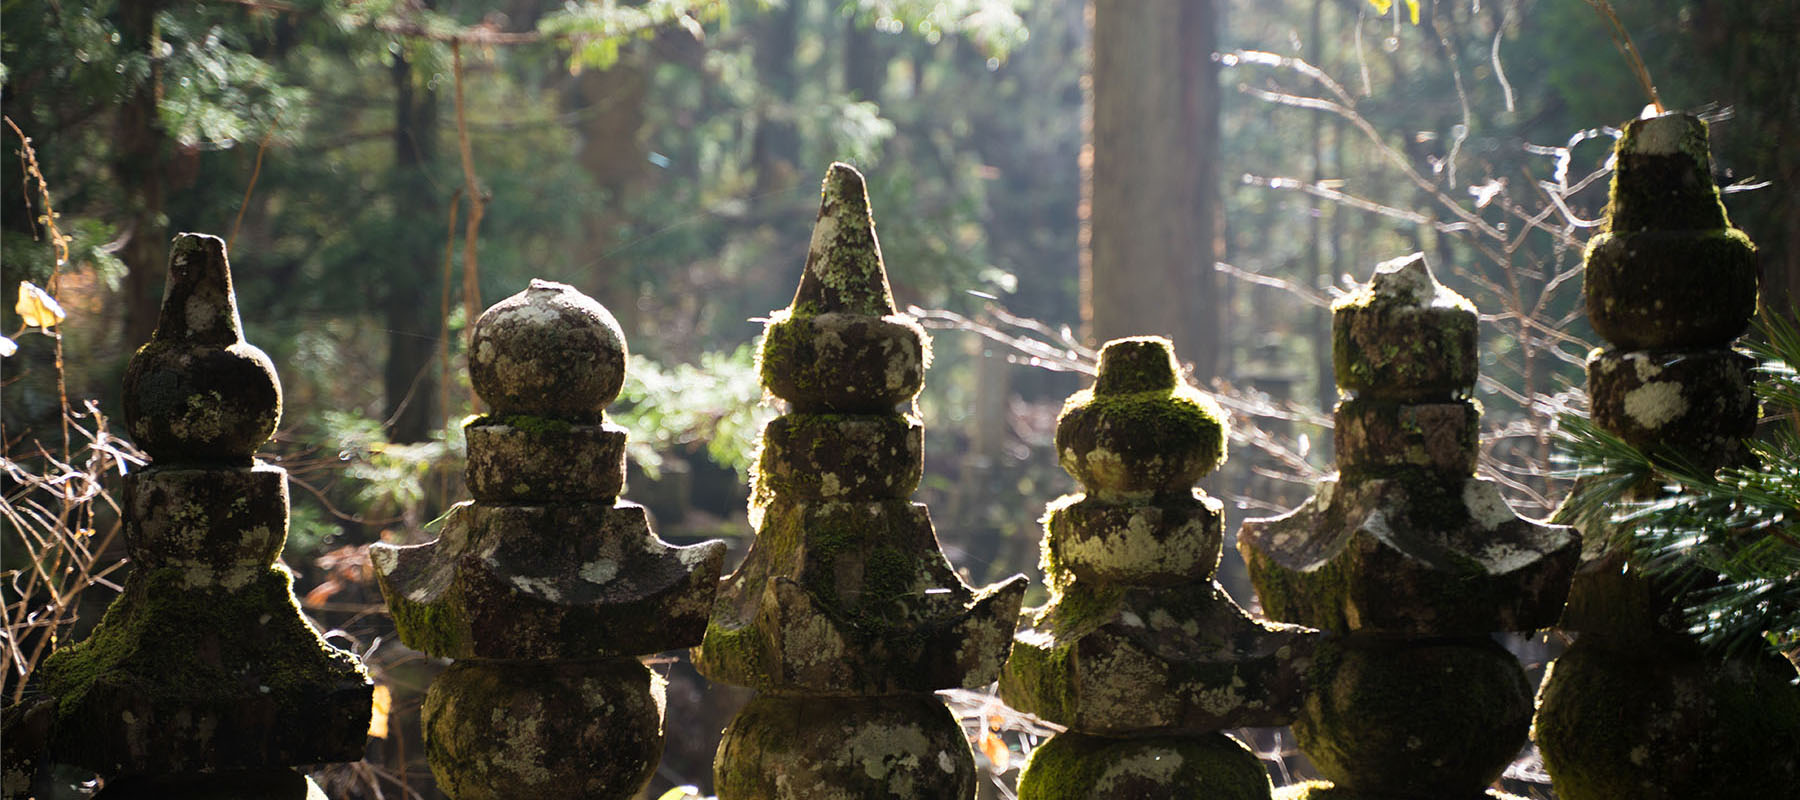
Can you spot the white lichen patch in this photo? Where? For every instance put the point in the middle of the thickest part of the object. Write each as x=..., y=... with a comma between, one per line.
x=1158, y=764
x=599, y=571
x=1486, y=507
x=542, y=587
x=1655, y=404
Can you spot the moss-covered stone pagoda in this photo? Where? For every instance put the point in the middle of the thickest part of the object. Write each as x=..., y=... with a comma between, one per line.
x=1411, y=560
x=203, y=678
x=845, y=615
x=1140, y=653
x=546, y=587
x=1635, y=708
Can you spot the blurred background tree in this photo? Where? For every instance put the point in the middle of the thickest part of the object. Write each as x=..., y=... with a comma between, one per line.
x=385, y=168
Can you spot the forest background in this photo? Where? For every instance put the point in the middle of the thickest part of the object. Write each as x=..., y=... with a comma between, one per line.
x=383, y=169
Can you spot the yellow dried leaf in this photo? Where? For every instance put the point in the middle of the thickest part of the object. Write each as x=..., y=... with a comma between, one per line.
x=379, y=704
x=1382, y=6
x=37, y=307
x=1412, y=6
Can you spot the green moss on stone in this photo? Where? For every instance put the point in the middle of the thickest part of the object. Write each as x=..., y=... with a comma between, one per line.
x=1074, y=766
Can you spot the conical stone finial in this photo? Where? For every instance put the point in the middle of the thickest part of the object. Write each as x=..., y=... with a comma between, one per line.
x=204, y=663
x=845, y=614
x=546, y=587
x=197, y=392
x=1410, y=559
x=1635, y=707
x=1140, y=653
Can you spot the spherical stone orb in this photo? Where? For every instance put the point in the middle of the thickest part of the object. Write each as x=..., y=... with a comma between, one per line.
x=898, y=747
x=1382, y=710
x=548, y=351
x=188, y=402
x=1076, y=766
x=512, y=729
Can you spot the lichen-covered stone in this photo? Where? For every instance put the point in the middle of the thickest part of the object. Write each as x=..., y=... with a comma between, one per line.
x=1662, y=179
x=203, y=663
x=902, y=747
x=1404, y=336
x=1384, y=710
x=842, y=456
x=1384, y=436
x=1077, y=766
x=855, y=598
x=548, y=351
x=1416, y=555
x=1138, y=643
x=506, y=462
x=177, y=679
x=546, y=586
x=845, y=593
x=1138, y=431
x=503, y=730
x=1694, y=402
x=555, y=581
x=842, y=362
x=197, y=392
x=1670, y=289
x=1656, y=717
x=1152, y=662
x=216, y=527
x=1169, y=540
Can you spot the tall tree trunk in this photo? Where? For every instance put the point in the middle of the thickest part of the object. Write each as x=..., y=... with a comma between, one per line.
x=1151, y=177
x=140, y=159
x=775, y=147
x=409, y=383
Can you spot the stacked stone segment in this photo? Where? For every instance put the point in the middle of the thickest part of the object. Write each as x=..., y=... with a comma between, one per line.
x=546, y=587
x=204, y=674
x=1635, y=707
x=845, y=615
x=1140, y=653
x=1410, y=559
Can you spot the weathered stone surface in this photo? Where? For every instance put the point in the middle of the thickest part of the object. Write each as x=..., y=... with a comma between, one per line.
x=1404, y=336
x=901, y=747
x=204, y=662
x=566, y=728
x=855, y=598
x=1670, y=289
x=1382, y=436
x=564, y=580
x=1658, y=718
x=177, y=679
x=1139, y=653
x=1635, y=707
x=1384, y=709
x=1143, y=662
x=217, y=527
x=507, y=462
x=1662, y=179
x=548, y=351
x=845, y=611
x=1077, y=766
x=842, y=362
x=1417, y=555
x=848, y=457
x=1166, y=541
x=1694, y=402
x=1140, y=431
x=197, y=392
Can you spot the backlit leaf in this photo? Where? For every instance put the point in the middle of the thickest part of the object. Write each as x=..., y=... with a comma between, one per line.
x=379, y=703
x=37, y=307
